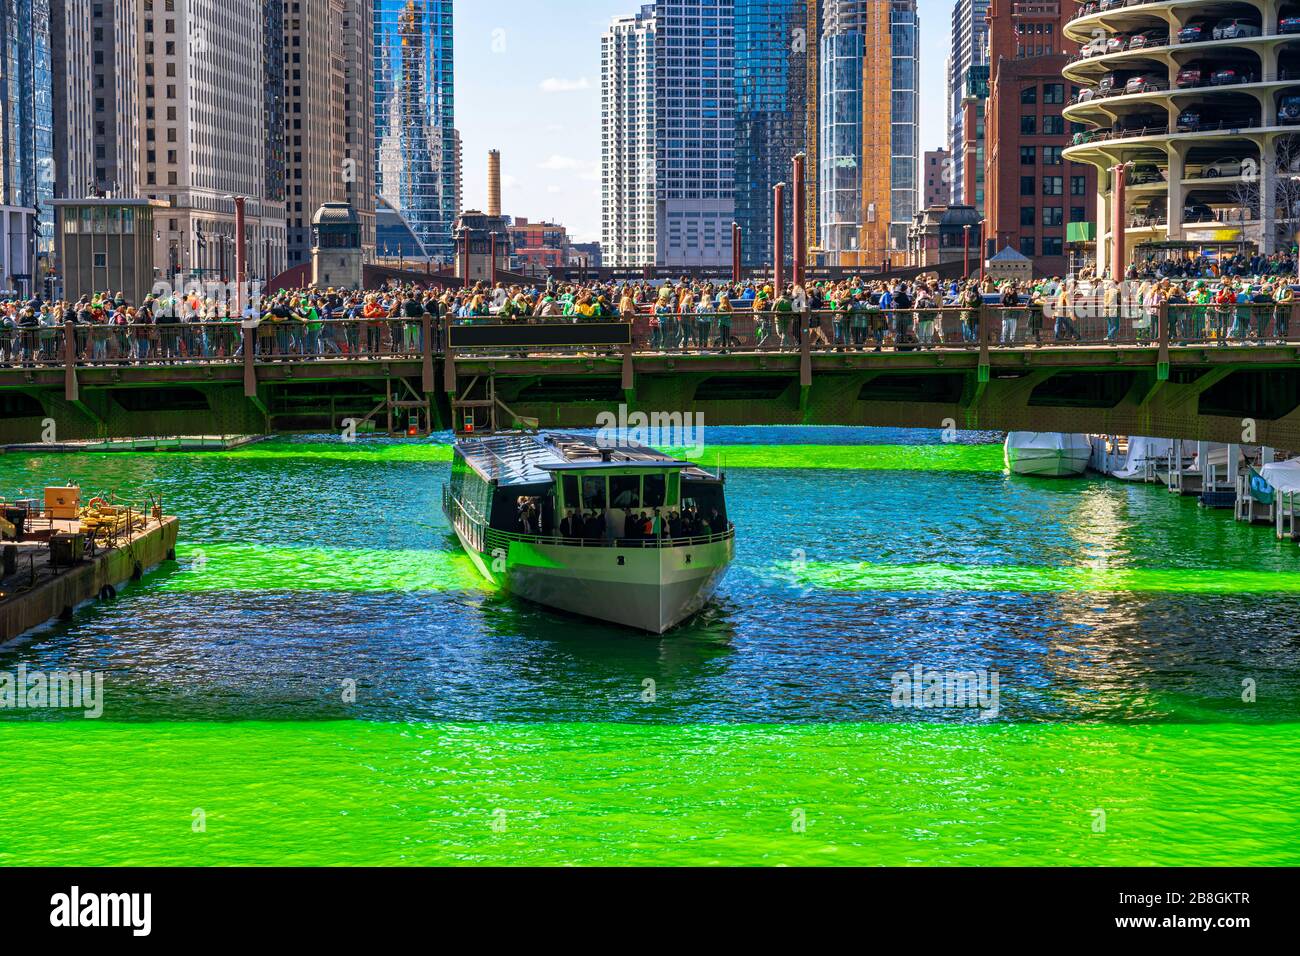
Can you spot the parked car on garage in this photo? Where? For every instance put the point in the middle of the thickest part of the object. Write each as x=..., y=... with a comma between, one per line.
x=1195, y=32
x=1146, y=83
x=1191, y=76
x=1288, y=108
x=1140, y=174
x=1288, y=25
x=1117, y=44
x=1235, y=28
x=1197, y=212
x=1221, y=168
x=1230, y=75
x=1148, y=39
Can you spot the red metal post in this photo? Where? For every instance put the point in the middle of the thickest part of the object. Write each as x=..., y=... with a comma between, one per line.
x=240, y=263
x=778, y=238
x=800, y=239
x=982, y=251
x=1118, y=224
x=735, y=252
x=965, y=251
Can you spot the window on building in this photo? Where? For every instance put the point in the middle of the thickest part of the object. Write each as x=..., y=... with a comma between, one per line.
x=1053, y=126
x=1027, y=216
x=1026, y=155
x=1028, y=125
x=1053, y=92
x=1027, y=246
x=1026, y=185
x=1078, y=214
x=1053, y=215
x=1078, y=185
x=1052, y=246
x=1052, y=155
x=1052, y=185
x=1029, y=95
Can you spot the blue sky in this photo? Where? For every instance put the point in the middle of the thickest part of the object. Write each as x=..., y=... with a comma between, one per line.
x=528, y=84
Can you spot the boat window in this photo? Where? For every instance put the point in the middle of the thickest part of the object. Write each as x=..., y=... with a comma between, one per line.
x=571, y=499
x=655, y=489
x=593, y=491
x=625, y=491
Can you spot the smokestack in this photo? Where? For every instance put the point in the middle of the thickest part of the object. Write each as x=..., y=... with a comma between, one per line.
x=494, y=182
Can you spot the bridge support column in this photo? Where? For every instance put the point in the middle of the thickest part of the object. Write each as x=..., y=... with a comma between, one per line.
x=629, y=376
x=1162, y=356
x=250, y=364
x=71, y=391
x=805, y=361
x=426, y=359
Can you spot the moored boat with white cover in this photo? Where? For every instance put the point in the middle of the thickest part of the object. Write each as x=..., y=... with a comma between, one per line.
x=1049, y=454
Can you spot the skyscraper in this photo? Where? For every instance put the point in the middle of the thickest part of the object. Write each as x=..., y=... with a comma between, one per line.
x=358, y=102
x=867, y=130
x=26, y=143
x=968, y=76
x=668, y=115
x=627, y=162
x=415, y=146
x=773, y=50
x=203, y=66
x=695, y=102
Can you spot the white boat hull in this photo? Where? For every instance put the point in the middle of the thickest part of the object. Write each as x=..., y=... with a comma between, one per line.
x=1047, y=454
x=651, y=589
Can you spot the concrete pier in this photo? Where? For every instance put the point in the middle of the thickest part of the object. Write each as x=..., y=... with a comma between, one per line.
x=37, y=590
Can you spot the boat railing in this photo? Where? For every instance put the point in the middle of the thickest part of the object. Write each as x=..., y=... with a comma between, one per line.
x=496, y=538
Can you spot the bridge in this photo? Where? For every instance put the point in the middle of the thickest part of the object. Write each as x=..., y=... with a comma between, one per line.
x=221, y=378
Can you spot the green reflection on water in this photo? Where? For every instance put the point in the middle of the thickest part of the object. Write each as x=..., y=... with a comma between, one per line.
x=376, y=793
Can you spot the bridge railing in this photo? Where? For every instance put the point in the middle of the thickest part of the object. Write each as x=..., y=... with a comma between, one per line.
x=1230, y=323
x=175, y=343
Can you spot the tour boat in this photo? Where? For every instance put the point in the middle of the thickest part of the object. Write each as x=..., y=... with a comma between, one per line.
x=1052, y=454
x=510, y=495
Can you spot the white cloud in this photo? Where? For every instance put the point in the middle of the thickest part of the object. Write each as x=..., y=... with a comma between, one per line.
x=555, y=84
x=553, y=190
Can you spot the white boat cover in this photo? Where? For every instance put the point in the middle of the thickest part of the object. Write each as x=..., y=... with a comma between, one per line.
x=1141, y=452
x=1283, y=476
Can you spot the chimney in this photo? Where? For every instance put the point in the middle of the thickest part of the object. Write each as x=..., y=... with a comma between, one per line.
x=494, y=182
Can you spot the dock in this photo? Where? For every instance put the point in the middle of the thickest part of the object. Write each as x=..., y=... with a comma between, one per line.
x=60, y=562
x=155, y=443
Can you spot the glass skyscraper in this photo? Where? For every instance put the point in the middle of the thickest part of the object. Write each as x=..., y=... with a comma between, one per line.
x=26, y=140
x=867, y=129
x=415, y=138
x=772, y=54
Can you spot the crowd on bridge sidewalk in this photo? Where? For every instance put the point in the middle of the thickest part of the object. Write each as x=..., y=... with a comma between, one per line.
x=868, y=313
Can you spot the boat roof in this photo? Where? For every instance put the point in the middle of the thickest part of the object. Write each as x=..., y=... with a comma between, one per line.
x=528, y=458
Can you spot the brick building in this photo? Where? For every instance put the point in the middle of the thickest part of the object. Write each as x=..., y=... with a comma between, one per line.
x=1031, y=191
x=936, y=178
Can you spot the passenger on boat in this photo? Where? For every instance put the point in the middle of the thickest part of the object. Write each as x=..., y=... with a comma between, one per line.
x=570, y=526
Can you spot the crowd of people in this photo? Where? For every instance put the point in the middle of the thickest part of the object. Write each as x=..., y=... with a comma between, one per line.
x=632, y=524
x=1238, y=299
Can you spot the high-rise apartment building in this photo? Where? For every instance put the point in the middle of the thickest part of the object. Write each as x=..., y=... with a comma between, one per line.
x=1033, y=191
x=358, y=104
x=26, y=144
x=71, y=57
x=201, y=68
x=414, y=117
x=313, y=113
x=628, y=136
x=695, y=102
x=774, y=48
x=867, y=131
x=668, y=100
x=968, y=74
